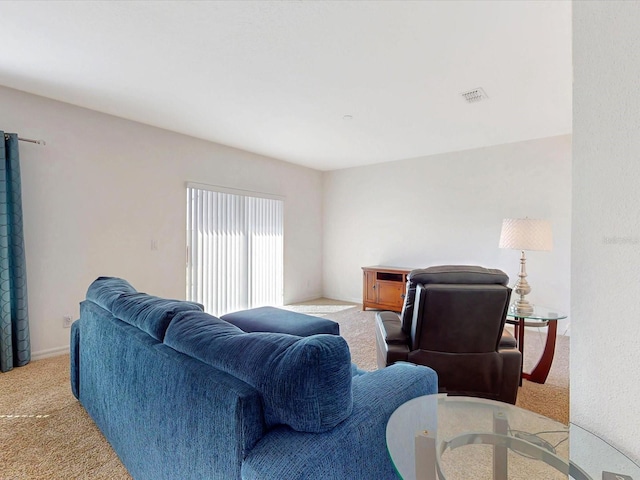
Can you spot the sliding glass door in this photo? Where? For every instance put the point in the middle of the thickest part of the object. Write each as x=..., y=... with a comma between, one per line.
x=235, y=254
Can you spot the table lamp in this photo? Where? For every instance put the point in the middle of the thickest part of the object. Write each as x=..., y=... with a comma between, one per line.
x=525, y=234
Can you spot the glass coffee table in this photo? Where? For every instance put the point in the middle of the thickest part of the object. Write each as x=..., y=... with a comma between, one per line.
x=540, y=317
x=437, y=437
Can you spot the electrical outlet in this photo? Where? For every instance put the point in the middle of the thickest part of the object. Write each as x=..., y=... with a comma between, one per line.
x=67, y=321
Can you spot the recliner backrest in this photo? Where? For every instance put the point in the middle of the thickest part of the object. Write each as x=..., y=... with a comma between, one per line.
x=459, y=318
x=446, y=274
x=458, y=315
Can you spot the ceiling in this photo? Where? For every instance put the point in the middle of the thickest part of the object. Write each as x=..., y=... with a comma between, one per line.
x=278, y=77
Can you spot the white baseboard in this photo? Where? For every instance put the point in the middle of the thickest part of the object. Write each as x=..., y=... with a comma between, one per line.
x=305, y=299
x=353, y=300
x=51, y=352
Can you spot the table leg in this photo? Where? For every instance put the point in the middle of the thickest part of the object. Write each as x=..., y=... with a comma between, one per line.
x=425, y=455
x=541, y=370
x=518, y=330
x=500, y=452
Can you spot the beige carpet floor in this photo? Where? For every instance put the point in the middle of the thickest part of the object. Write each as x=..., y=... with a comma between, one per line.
x=46, y=434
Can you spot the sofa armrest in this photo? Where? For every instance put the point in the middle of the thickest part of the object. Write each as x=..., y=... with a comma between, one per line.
x=356, y=448
x=74, y=358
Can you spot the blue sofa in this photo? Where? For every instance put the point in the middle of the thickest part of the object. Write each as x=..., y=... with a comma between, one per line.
x=180, y=394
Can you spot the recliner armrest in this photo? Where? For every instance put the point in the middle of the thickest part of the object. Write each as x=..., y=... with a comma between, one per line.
x=507, y=340
x=511, y=372
x=391, y=328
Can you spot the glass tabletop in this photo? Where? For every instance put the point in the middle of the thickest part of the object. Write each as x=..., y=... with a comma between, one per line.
x=437, y=437
x=540, y=313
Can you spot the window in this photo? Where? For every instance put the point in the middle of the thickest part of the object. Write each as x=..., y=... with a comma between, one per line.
x=234, y=249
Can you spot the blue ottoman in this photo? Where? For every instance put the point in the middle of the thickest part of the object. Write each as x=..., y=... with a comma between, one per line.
x=277, y=320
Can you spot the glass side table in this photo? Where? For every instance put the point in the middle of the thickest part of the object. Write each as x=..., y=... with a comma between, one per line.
x=438, y=437
x=541, y=317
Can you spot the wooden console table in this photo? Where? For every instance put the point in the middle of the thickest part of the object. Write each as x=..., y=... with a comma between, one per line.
x=384, y=287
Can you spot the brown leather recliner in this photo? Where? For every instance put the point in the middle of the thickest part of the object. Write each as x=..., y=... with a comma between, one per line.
x=453, y=321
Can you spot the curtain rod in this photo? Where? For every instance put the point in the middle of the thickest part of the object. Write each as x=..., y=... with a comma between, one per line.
x=30, y=140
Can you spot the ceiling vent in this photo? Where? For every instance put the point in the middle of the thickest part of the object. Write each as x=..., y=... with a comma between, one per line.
x=475, y=95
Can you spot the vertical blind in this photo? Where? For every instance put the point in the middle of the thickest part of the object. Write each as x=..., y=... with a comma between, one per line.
x=235, y=256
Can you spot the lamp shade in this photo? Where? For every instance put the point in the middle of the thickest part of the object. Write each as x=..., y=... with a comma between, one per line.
x=526, y=234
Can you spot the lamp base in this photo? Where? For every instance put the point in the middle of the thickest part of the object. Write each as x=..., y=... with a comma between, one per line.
x=523, y=307
x=522, y=288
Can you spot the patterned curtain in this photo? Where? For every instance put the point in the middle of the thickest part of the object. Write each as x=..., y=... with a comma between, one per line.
x=15, y=346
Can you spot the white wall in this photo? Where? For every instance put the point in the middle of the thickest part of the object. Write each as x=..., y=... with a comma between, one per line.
x=605, y=345
x=102, y=188
x=448, y=209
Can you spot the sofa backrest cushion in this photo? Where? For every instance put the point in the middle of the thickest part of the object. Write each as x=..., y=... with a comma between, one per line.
x=150, y=314
x=305, y=382
x=105, y=290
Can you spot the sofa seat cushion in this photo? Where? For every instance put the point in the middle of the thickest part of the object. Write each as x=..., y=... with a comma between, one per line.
x=277, y=320
x=148, y=313
x=305, y=382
